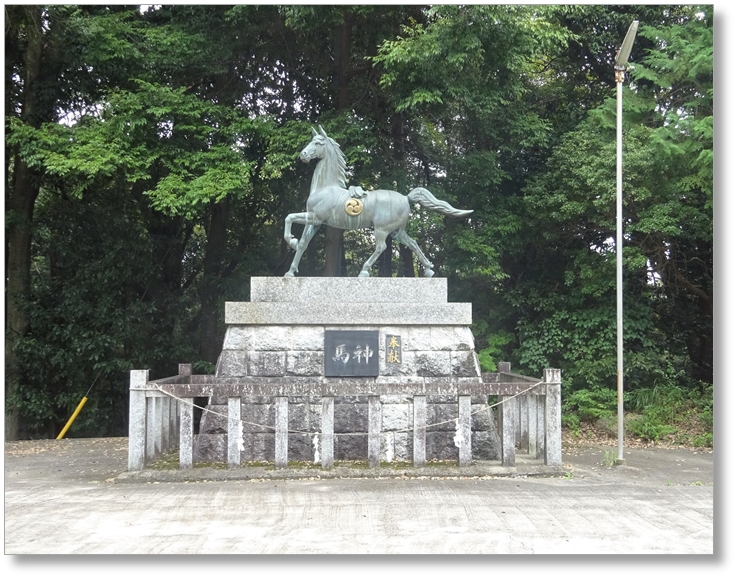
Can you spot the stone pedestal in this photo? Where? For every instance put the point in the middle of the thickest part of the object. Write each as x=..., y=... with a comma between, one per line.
x=281, y=332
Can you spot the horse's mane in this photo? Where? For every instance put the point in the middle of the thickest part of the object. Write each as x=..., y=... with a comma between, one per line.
x=340, y=158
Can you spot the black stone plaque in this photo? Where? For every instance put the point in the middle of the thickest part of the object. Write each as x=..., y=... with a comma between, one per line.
x=351, y=353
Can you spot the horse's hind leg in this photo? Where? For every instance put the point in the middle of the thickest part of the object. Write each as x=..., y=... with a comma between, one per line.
x=381, y=236
x=404, y=238
x=307, y=234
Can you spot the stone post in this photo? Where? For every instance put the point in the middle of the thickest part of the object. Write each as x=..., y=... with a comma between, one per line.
x=326, y=438
x=173, y=423
x=159, y=425
x=507, y=415
x=176, y=410
x=235, y=432
x=524, y=425
x=281, y=432
x=374, y=431
x=540, y=427
x=532, y=424
x=464, y=430
x=165, y=437
x=137, y=420
x=420, y=421
x=153, y=428
x=507, y=421
x=553, y=444
x=186, y=430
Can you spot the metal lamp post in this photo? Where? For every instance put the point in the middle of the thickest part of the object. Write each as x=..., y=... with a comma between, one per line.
x=620, y=65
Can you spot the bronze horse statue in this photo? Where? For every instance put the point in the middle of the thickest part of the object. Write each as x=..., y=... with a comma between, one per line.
x=333, y=203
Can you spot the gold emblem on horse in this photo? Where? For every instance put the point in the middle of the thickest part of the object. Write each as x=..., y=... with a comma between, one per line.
x=353, y=207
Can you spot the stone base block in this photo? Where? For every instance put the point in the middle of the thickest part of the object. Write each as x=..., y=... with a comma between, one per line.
x=350, y=427
x=351, y=447
x=345, y=289
x=210, y=448
x=396, y=447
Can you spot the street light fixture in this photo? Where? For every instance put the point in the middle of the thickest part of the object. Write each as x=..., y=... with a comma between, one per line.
x=620, y=66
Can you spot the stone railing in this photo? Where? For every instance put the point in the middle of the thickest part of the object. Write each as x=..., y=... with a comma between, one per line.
x=162, y=413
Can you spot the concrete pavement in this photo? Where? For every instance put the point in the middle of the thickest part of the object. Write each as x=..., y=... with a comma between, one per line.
x=64, y=497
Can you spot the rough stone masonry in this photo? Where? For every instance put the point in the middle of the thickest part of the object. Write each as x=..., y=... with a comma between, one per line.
x=315, y=326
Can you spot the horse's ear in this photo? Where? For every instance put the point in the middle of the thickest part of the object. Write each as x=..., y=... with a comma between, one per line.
x=314, y=132
x=322, y=131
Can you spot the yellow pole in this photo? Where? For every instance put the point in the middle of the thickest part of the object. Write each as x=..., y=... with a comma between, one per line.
x=71, y=419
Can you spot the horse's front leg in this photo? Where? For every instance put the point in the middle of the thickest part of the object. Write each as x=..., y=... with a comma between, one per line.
x=307, y=235
x=311, y=223
x=291, y=218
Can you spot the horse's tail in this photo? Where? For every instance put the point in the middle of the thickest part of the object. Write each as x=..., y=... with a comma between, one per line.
x=428, y=200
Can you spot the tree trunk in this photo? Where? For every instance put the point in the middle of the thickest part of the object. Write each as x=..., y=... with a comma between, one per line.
x=210, y=343
x=334, y=250
x=19, y=216
x=18, y=281
x=385, y=260
x=406, y=257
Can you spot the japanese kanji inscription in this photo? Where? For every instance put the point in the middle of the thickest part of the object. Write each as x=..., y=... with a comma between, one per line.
x=351, y=353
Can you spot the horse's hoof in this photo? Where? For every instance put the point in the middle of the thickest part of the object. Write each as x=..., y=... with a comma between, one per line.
x=364, y=274
x=289, y=274
x=293, y=243
x=429, y=272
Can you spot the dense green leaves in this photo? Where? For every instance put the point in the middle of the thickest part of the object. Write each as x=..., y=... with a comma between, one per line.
x=163, y=147
x=668, y=220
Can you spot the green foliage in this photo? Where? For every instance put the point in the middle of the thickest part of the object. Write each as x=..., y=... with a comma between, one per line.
x=591, y=404
x=649, y=426
x=668, y=229
x=662, y=409
x=666, y=397
x=164, y=187
x=98, y=309
x=705, y=406
x=609, y=459
x=580, y=342
x=705, y=439
x=572, y=422
x=494, y=351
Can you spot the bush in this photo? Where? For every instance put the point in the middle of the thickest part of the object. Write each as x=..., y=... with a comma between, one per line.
x=665, y=400
x=591, y=404
x=650, y=426
x=705, y=439
x=704, y=403
x=666, y=407
x=572, y=422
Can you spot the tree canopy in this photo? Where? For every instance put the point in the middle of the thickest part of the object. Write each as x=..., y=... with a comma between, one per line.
x=151, y=156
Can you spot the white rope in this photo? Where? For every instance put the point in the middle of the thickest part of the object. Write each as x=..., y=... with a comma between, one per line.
x=428, y=426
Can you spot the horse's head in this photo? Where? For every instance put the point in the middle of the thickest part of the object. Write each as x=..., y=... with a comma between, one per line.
x=316, y=148
x=331, y=167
